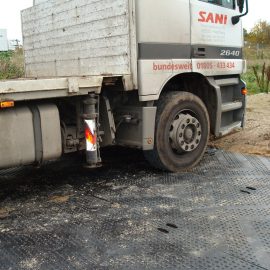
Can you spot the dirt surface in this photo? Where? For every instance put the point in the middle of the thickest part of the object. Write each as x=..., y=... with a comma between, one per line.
x=255, y=138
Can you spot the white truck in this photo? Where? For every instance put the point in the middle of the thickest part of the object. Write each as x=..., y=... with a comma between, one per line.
x=157, y=75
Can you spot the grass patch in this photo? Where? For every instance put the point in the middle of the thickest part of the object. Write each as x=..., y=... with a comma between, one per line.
x=255, y=58
x=250, y=80
x=11, y=64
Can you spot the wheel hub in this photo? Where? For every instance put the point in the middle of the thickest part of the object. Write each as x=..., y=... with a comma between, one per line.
x=188, y=134
x=185, y=133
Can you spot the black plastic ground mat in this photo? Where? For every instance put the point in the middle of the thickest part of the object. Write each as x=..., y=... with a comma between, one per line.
x=129, y=216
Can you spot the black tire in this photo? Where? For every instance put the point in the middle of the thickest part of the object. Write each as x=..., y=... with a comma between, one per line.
x=170, y=106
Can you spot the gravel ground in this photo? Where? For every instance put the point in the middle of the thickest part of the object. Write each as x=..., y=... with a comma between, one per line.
x=255, y=138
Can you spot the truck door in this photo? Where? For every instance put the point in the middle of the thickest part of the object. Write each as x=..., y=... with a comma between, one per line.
x=216, y=42
x=163, y=35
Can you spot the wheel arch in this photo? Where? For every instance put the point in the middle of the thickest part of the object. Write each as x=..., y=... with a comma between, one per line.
x=200, y=86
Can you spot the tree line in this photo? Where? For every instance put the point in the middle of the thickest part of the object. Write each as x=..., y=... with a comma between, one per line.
x=259, y=34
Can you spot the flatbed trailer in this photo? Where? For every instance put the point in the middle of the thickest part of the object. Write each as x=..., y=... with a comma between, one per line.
x=102, y=73
x=31, y=89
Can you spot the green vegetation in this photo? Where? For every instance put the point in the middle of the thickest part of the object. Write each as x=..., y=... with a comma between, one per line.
x=257, y=80
x=250, y=80
x=257, y=54
x=259, y=34
x=262, y=77
x=11, y=64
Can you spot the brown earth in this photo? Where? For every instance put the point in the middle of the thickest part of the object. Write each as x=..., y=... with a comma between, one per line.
x=255, y=138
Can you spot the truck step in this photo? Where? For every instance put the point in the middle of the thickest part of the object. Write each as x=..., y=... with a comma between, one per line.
x=227, y=81
x=228, y=129
x=231, y=106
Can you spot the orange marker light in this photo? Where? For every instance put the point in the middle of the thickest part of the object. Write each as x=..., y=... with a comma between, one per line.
x=6, y=104
x=244, y=91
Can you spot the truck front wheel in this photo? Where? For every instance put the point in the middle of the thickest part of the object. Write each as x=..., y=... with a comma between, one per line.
x=181, y=132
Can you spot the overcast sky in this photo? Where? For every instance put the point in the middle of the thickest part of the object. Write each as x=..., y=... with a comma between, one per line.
x=10, y=15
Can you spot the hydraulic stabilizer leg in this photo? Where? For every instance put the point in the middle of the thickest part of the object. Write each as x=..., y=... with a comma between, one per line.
x=91, y=125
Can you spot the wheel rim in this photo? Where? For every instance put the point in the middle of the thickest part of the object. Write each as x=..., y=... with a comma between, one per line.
x=185, y=133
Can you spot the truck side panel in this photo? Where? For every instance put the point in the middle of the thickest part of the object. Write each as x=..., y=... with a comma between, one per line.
x=77, y=38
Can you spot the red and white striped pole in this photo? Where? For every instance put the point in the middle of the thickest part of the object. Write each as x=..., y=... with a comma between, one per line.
x=90, y=115
x=90, y=135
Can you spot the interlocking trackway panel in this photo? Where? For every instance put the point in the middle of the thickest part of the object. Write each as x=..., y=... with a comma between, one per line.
x=131, y=217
